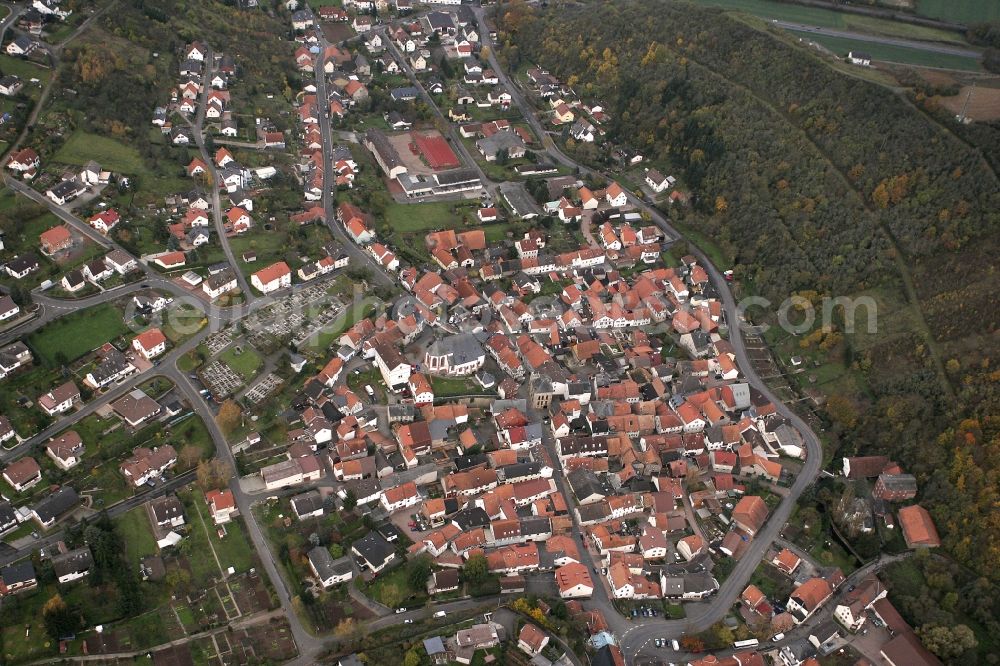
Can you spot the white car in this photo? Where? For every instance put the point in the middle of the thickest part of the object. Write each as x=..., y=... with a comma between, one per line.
x=369, y=390
x=400, y=610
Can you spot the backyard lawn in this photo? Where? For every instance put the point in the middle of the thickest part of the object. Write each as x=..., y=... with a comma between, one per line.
x=24, y=69
x=445, y=387
x=76, y=334
x=392, y=589
x=20, y=645
x=206, y=547
x=82, y=147
x=136, y=532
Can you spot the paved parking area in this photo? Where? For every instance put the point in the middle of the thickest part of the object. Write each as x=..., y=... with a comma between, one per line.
x=870, y=644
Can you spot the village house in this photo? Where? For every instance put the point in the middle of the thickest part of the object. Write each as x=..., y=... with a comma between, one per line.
x=292, y=472
x=373, y=552
x=222, y=505
x=72, y=565
x=60, y=399
x=22, y=474
x=147, y=464
x=274, y=277
x=55, y=239
x=66, y=450
x=150, y=343
x=329, y=572
x=168, y=512
x=807, y=598
x=136, y=408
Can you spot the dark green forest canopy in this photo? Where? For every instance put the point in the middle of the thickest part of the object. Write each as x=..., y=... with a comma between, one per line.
x=813, y=180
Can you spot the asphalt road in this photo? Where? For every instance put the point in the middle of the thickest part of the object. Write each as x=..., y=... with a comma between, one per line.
x=114, y=510
x=357, y=255
x=15, y=11
x=932, y=47
x=702, y=614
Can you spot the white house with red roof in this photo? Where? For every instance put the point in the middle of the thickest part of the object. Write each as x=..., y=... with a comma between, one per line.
x=400, y=497
x=274, y=277
x=104, y=221
x=25, y=162
x=222, y=505
x=238, y=219
x=615, y=195
x=150, y=343
x=421, y=390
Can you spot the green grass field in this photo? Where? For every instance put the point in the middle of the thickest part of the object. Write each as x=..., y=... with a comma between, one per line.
x=428, y=216
x=246, y=363
x=446, y=386
x=827, y=18
x=962, y=11
x=82, y=147
x=137, y=534
x=889, y=53
x=232, y=550
x=76, y=334
x=24, y=69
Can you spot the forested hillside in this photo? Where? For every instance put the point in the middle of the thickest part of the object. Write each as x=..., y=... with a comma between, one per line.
x=815, y=181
